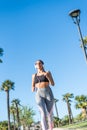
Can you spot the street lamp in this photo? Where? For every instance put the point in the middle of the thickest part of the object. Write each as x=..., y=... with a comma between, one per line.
x=56, y=100
x=75, y=15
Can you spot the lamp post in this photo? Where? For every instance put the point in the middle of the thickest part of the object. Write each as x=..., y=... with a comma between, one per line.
x=56, y=100
x=75, y=15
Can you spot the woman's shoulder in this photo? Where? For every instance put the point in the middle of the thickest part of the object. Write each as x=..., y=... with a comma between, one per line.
x=47, y=72
x=33, y=75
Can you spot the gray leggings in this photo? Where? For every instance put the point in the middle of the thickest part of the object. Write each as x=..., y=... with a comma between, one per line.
x=45, y=101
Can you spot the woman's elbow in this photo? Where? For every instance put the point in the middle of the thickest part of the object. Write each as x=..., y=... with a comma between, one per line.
x=52, y=83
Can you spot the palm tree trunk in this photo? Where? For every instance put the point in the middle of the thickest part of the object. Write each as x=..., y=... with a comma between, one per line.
x=69, y=112
x=18, y=117
x=8, y=110
x=14, y=121
x=84, y=113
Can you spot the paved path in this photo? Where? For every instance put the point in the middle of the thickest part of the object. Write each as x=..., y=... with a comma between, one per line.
x=69, y=129
x=65, y=129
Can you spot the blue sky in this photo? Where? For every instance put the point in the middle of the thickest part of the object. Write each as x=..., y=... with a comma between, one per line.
x=42, y=29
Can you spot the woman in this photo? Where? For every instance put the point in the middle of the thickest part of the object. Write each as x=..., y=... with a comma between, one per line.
x=44, y=96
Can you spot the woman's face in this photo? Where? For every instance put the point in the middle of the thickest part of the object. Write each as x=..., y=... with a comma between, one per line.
x=38, y=65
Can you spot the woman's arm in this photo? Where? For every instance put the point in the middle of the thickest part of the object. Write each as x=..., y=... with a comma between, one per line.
x=50, y=78
x=33, y=84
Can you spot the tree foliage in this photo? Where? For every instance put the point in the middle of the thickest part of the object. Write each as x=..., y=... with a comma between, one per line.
x=1, y=54
x=81, y=103
x=26, y=116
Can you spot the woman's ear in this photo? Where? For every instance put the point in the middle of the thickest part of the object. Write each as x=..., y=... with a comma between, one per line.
x=43, y=66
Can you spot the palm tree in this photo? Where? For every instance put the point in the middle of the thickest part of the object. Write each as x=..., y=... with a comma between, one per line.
x=16, y=103
x=26, y=116
x=81, y=103
x=65, y=120
x=7, y=85
x=3, y=125
x=67, y=98
x=56, y=121
x=1, y=54
x=13, y=111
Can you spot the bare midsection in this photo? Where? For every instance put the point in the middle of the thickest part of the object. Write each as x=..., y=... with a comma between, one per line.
x=42, y=85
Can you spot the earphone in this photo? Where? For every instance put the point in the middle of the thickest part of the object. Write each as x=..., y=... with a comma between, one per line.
x=35, y=66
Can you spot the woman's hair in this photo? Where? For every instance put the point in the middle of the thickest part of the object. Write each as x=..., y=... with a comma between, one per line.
x=40, y=61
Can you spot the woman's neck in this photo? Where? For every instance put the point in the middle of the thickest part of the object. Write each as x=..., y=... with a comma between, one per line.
x=40, y=71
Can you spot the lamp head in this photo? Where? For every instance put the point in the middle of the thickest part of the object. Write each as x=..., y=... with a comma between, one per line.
x=75, y=13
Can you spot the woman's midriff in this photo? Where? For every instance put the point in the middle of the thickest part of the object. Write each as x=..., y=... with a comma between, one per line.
x=42, y=85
